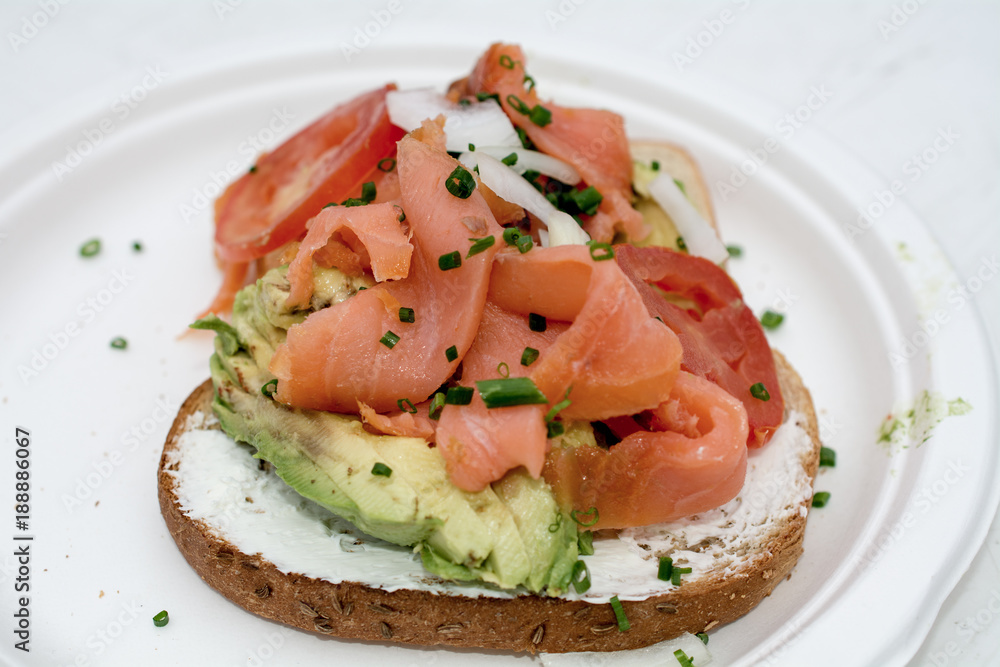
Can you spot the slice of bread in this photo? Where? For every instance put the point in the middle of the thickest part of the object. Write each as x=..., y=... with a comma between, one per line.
x=738, y=553
x=755, y=560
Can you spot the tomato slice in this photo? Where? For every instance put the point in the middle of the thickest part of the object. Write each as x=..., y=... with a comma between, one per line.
x=325, y=162
x=723, y=340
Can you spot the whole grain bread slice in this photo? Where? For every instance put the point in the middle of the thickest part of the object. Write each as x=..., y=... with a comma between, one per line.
x=522, y=623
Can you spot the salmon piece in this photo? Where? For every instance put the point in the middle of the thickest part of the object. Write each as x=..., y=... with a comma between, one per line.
x=480, y=445
x=376, y=226
x=695, y=464
x=723, y=340
x=592, y=140
x=335, y=357
x=614, y=356
x=402, y=422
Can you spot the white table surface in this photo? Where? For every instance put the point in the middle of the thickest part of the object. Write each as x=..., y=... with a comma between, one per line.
x=899, y=72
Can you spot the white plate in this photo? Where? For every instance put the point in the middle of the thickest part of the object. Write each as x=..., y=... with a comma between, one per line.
x=879, y=560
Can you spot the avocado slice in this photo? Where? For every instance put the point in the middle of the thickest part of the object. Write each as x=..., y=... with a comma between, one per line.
x=510, y=534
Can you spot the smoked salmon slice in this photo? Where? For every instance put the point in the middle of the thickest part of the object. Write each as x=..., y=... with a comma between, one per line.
x=360, y=350
x=376, y=226
x=655, y=476
x=724, y=342
x=592, y=140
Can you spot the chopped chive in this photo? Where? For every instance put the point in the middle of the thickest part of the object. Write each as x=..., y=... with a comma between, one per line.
x=252, y=169
x=675, y=575
x=771, y=319
x=557, y=524
x=554, y=429
x=518, y=105
x=480, y=245
x=601, y=251
x=666, y=568
x=464, y=102
x=460, y=182
x=270, y=388
x=827, y=457
x=821, y=498
x=482, y=97
x=503, y=369
x=505, y=392
x=407, y=315
x=592, y=514
x=759, y=391
x=90, y=248
x=680, y=186
x=587, y=200
x=529, y=356
x=458, y=396
x=537, y=322
x=406, y=405
x=382, y=470
x=389, y=339
x=119, y=343
x=510, y=160
x=506, y=61
x=616, y=606
x=451, y=354
x=387, y=164
x=450, y=260
x=530, y=81
x=703, y=636
x=161, y=619
x=472, y=147
x=655, y=165
x=402, y=214
x=137, y=246
x=524, y=243
x=511, y=235
x=437, y=405
x=333, y=203
x=585, y=543
x=580, y=577
x=368, y=192
x=540, y=116
x=681, y=245
x=353, y=201
x=683, y=659
x=734, y=250
x=557, y=408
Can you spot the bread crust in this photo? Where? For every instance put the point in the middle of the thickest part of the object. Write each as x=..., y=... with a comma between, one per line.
x=525, y=623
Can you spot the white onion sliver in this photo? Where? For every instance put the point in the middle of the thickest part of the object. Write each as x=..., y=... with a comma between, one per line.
x=657, y=654
x=540, y=162
x=509, y=186
x=699, y=236
x=483, y=122
x=564, y=230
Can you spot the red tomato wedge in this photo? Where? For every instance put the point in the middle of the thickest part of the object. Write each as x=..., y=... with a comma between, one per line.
x=724, y=342
x=592, y=140
x=323, y=163
x=655, y=476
